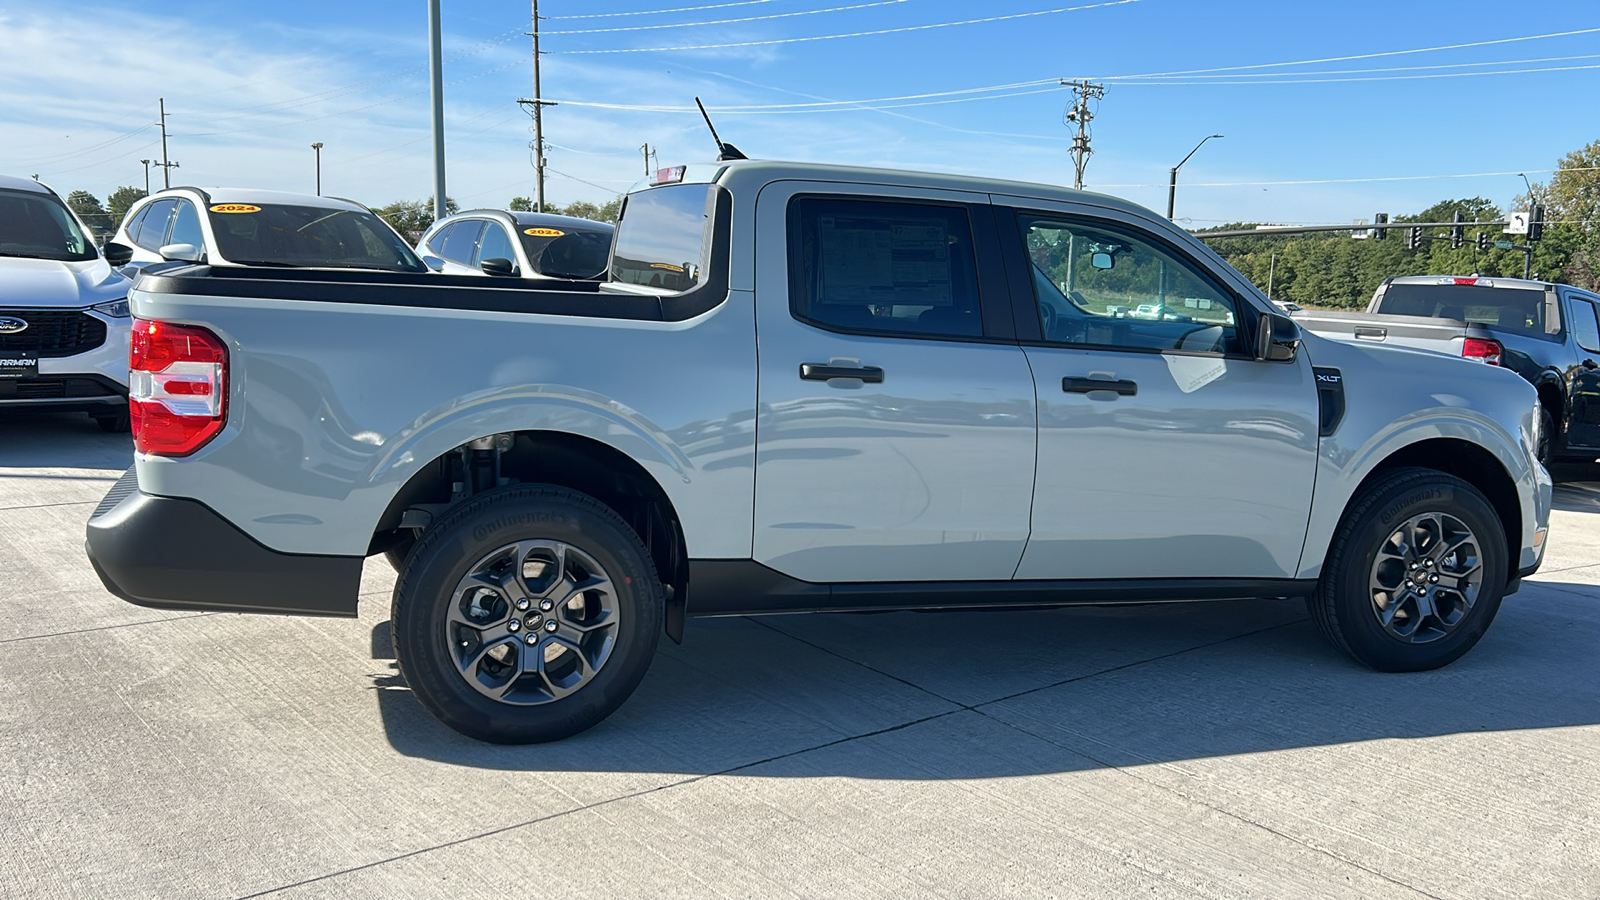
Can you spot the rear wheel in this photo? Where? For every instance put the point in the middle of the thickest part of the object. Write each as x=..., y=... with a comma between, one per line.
x=528, y=614
x=1415, y=573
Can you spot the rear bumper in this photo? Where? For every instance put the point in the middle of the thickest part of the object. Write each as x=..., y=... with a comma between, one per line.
x=176, y=553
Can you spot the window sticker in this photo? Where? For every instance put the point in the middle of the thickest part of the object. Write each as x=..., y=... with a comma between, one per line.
x=885, y=260
x=543, y=232
x=235, y=208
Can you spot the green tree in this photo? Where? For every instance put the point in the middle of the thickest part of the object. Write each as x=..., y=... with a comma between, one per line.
x=88, y=208
x=583, y=209
x=1572, y=203
x=520, y=204
x=412, y=217
x=120, y=201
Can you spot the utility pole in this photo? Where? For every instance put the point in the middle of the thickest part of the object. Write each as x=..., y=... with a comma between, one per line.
x=317, y=148
x=538, y=103
x=436, y=90
x=1082, y=115
x=166, y=165
x=646, y=149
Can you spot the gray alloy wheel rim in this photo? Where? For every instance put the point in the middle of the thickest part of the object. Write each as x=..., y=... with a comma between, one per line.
x=532, y=622
x=1426, y=578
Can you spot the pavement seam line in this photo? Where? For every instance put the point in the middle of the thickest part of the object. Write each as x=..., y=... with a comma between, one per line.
x=36, y=637
x=49, y=505
x=1187, y=798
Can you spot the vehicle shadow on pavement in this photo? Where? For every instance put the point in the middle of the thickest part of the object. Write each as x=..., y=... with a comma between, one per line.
x=43, y=439
x=1577, y=487
x=995, y=694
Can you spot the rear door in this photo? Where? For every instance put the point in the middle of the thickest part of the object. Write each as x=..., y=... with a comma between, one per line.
x=1166, y=450
x=1583, y=421
x=895, y=438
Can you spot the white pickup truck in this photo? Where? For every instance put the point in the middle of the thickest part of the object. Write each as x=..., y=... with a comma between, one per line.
x=803, y=388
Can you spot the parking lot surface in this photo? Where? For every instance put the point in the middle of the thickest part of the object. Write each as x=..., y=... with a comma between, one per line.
x=1213, y=750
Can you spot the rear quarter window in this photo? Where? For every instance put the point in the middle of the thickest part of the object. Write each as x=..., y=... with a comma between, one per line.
x=662, y=238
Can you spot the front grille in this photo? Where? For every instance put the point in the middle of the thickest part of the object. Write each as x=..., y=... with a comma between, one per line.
x=54, y=332
x=53, y=389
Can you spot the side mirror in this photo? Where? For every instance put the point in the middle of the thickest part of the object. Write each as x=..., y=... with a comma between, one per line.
x=181, y=253
x=1277, y=338
x=1102, y=261
x=118, y=255
x=498, y=267
x=434, y=263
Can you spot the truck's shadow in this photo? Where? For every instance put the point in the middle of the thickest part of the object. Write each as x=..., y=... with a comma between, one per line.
x=740, y=691
x=43, y=439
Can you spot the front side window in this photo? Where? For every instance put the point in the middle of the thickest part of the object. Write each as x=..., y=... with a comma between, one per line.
x=495, y=245
x=662, y=237
x=38, y=226
x=153, y=224
x=1585, y=325
x=308, y=236
x=1098, y=285
x=883, y=266
x=186, y=227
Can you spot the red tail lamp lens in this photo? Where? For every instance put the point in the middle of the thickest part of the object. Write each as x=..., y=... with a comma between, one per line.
x=177, y=387
x=1482, y=350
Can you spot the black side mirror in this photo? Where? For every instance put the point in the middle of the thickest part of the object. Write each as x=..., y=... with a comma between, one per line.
x=118, y=255
x=1277, y=338
x=499, y=267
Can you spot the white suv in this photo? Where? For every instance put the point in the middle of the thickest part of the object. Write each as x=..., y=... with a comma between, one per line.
x=63, y=311
x=243, y=227
x=519, y=245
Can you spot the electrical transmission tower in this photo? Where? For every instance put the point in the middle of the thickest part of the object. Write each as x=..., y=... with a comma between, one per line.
x=1081, y=115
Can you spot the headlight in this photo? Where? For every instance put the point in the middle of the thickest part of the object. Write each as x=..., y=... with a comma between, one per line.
x=116, y=309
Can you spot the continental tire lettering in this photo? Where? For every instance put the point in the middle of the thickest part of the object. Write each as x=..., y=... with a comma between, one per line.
x=518, y=520
x=1394, y=510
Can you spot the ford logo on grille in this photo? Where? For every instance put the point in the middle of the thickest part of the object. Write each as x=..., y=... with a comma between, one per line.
x=12, y=325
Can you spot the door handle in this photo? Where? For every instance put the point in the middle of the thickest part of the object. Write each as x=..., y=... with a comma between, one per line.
x=1123, y=388
x=823, y=372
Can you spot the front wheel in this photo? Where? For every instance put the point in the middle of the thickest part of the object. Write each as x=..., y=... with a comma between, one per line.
x=1415, y=573
x=528, y=614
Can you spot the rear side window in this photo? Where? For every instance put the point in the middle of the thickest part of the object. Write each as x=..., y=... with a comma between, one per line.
x=1585, y=325
x=436, y=243
x=463, y=239
x=1508, y=309
x=662, y=238
x=883, y=266
x=136, y=221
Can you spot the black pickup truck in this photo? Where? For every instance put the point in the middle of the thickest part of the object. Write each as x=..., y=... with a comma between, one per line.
x=1547, y=333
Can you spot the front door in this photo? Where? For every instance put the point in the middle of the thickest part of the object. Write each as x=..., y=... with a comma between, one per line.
x=1165, y=449
x=1583, y=420
x=895, y=438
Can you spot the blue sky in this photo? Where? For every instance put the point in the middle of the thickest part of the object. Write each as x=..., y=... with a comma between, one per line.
x=250, y=86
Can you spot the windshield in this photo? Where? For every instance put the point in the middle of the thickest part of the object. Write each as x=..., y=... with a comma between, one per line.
x=662, y=236
x=309, y=236
x=1510, y=309
x=567, y=253
x=38, y=226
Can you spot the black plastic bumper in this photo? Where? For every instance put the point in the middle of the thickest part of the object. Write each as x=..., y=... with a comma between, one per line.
x=173, y=553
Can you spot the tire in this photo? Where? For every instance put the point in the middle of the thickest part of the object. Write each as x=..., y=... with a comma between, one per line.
x=397, y=554
x=1350, y=602
x=115, y=423
x=451, y=663
x=1547, y=436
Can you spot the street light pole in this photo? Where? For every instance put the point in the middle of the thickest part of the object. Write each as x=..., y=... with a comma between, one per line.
x=436, y=92
x=1172, y=185
x=318, y=148
x=146, y=175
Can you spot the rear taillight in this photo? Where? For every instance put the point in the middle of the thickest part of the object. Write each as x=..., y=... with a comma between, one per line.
x=177, y=387
x=1482, y=350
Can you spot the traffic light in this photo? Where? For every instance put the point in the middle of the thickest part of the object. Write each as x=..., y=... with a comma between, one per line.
x=1379, y=234
x=1414, y=238
x=1483, y=241
x=1458, y=232
x=1536, y=223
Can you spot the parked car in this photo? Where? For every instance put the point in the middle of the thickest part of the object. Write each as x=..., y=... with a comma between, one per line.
x=63, y=311
x=1547, y=333
x=563, y=471
x=247, y=227
x=518, y=245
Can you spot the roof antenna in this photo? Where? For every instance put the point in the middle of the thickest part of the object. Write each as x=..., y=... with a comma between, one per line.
x=725, y=152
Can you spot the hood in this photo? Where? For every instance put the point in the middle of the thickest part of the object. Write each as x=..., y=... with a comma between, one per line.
x=52, y=283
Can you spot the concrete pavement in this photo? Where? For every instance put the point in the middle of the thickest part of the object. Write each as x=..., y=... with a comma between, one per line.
x=1216, y=750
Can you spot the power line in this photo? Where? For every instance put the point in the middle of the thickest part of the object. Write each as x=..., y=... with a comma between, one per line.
x=1353, y=80
x=829, y=37
x=1363, y=180
x=1328, y=59
x=787, y=15
x=1467, y=65
x=653, y=12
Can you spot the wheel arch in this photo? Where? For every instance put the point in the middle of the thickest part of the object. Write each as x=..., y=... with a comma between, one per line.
x=569, y=460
